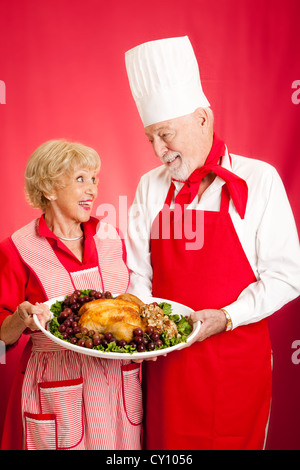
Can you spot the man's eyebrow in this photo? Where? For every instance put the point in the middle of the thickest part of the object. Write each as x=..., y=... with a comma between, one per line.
x=157, y=130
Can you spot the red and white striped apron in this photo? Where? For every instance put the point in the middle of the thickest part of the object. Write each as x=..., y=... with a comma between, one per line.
x=71, y=400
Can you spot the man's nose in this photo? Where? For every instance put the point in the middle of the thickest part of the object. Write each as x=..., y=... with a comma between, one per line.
x=159, y=148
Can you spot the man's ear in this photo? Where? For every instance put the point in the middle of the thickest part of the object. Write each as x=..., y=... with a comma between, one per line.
x=204, y=118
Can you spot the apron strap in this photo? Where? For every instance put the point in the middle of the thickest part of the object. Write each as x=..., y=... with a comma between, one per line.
x=170, y=194
x=225, y=197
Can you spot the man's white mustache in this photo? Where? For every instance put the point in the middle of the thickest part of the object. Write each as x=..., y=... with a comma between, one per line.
x=170, y=156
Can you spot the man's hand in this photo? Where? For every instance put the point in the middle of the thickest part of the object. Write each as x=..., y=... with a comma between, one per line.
x=212, y=322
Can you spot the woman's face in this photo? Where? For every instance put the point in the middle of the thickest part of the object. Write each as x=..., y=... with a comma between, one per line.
x=75, y=200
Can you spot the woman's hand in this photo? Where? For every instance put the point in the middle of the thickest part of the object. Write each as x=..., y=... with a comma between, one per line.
x=26, y=310
x=14, y=325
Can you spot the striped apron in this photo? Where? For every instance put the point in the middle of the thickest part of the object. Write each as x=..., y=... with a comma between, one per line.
x=71, y=400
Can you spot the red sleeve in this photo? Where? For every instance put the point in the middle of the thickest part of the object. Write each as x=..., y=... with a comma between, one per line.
x=13, y=279
x=17, y=282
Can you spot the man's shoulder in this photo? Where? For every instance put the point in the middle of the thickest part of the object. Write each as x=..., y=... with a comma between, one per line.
x=158, y=172
x=157, y=176
x=248, y=167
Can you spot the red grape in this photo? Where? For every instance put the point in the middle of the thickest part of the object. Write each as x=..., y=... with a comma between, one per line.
x=97, y=340
x=63, y=316
x=138, y=332
x=88, y=343
x=150, y=330
x=155, y=336
x=76, y=306
x=138, y=340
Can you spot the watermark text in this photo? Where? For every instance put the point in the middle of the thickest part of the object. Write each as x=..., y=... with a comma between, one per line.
x=136, y=222
x=2, y=92
x=2, y=353
x=296, y=353
x=296, y=94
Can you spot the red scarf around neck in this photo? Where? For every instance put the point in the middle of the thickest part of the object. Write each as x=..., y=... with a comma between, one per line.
x=237, y=187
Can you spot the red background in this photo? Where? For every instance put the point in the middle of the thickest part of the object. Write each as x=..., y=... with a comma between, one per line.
x=63, y=65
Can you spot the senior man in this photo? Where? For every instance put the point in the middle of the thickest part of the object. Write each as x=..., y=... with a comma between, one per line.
x=213, y=231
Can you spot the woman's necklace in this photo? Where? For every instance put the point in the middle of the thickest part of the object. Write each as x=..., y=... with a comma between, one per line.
x=70, y=239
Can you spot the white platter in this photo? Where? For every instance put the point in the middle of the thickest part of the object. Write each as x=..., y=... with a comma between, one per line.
x=177, y=308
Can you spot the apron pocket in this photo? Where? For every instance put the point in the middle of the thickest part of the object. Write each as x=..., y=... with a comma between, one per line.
x=40, y=432
x=132, y=393
x=64, y=400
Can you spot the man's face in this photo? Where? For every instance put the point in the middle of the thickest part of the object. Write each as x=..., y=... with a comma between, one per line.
x=179, y=144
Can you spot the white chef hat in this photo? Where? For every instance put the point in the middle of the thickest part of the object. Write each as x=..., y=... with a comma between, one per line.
x=164, y=79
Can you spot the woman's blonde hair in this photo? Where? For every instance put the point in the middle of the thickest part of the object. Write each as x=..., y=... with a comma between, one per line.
x=49, y=163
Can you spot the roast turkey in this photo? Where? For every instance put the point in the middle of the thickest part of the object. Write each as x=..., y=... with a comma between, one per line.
x=119, y=316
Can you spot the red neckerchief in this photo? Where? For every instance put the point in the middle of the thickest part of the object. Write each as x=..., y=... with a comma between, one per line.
x=237, y=187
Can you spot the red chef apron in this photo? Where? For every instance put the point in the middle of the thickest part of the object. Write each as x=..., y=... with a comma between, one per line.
x=216, y=393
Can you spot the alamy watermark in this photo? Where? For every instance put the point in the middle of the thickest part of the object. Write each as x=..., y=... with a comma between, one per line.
x=296, y=353
x=135, y=222
x=2, y=352
x=296, y=94
x=2, y=92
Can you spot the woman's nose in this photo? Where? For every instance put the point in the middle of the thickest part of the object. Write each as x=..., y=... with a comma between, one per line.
x=91, y=188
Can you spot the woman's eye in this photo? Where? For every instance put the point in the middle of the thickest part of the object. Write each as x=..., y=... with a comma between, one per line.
x=80, y=179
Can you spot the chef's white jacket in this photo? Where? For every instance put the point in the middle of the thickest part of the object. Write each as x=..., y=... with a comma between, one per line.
x=268, y=235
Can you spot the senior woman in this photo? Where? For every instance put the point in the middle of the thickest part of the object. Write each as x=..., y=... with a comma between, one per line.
x=65, y=399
